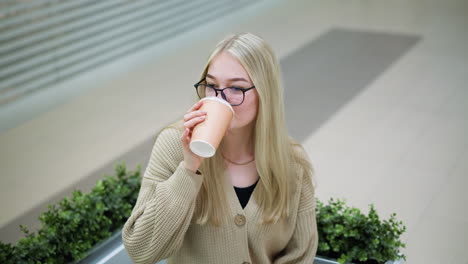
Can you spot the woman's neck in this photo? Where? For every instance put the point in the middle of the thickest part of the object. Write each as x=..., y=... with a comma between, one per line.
x=238, y=144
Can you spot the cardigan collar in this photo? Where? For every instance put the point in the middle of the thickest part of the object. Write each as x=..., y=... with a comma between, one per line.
x=251, y=209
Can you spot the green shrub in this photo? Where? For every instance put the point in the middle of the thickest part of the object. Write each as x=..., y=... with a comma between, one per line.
x=347, y=235
x=69, y=229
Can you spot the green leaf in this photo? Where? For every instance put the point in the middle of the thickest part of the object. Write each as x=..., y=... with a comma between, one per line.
x=348, y=235
x=77, y=223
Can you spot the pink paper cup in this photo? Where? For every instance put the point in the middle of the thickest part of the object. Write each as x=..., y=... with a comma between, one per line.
x=207, y=135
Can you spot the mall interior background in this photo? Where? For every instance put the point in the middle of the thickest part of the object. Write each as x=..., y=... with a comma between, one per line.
x=376, y=91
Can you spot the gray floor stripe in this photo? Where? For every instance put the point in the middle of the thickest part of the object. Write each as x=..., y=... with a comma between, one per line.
x=325, y=74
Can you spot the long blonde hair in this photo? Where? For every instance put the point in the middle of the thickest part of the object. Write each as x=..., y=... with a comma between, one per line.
x=276, y=153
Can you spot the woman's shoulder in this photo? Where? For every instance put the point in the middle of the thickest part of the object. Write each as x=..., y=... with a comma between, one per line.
x=168, y=136
x=305, y=179
x=299, y=151
x=302, y=163
x=299, y=156
x=170, y=133
x=168, y=143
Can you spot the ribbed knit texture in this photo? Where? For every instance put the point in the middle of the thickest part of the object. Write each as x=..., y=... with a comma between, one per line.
x=161, y=226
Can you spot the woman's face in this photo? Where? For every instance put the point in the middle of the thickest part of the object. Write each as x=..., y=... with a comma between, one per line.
x=226, y=71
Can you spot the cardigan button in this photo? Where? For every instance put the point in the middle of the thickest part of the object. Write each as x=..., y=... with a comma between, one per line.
x=239, y=220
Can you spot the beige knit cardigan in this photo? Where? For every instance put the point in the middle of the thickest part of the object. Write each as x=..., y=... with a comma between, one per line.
x=161, y=226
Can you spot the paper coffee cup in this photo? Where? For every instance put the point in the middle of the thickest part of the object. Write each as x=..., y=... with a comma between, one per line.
x=207, y=135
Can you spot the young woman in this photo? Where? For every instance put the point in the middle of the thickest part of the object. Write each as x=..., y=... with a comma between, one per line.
x=253, y=201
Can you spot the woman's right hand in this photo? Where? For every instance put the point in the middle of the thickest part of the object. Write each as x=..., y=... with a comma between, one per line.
x=193, y=117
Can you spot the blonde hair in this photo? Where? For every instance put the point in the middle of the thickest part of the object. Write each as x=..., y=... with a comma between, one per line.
x=276, y=153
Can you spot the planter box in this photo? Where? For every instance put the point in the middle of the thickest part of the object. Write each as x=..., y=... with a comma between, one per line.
x=112, y=251
x=109, y=251
x=323, y=260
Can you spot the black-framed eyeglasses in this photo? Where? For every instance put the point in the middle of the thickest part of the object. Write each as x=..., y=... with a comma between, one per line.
x=233, y=95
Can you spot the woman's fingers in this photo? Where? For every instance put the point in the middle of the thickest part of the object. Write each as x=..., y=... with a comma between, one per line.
x=193, y=114
x=192, y=122
x=191, y=119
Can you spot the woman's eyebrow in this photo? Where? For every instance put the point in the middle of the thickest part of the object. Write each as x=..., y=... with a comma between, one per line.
x=232, y=79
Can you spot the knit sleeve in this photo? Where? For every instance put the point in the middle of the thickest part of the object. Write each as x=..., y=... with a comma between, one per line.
x=165, y=204
x=302, y=246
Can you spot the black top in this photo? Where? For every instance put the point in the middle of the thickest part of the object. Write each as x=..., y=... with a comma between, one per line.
x=243, y=194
